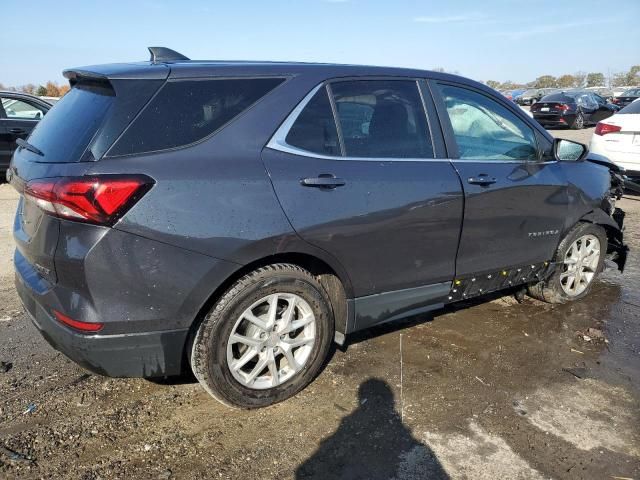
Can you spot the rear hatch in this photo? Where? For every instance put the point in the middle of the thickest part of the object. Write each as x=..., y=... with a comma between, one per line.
x=77, y=131
x=549, y=110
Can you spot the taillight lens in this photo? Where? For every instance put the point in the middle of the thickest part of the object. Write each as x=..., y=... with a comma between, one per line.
x=615, y=100
x=86, y=327
x=564, y=107
x=604, y=128
x=98, y=199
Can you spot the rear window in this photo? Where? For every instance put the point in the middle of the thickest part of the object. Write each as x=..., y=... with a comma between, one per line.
x=557, y=97
x=186, y=111
x=66, y=130
x=633, y=107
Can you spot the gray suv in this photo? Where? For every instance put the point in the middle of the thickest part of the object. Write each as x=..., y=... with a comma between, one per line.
x=236, y=218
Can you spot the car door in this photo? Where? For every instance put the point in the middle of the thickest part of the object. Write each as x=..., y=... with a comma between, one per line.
x=356, y=172
x=6, y=142
x=515, y=197
x=20, y=118
x=603, y=111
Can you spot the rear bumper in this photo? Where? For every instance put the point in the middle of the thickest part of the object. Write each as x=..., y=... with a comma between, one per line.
x=148, y=354
x=554, y=120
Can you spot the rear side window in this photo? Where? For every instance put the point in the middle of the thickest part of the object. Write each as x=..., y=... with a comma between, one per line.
x=21, y=110
x=65, y=131
x=486, y=130
x=315, y=130
x=184, y=112
x=382, y=119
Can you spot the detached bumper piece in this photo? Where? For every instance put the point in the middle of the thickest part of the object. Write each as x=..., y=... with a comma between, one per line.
x=617, y=250
x=469, y=287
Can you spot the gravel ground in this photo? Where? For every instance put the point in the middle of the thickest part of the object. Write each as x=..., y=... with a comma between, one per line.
x=488, y=389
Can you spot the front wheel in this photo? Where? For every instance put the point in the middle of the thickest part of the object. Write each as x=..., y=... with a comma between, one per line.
x=265, y=339
x=579, y=260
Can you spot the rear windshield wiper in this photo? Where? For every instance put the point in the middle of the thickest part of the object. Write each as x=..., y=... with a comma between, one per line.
x=24, y=144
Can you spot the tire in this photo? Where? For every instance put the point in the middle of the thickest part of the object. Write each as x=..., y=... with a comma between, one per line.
x=252, y=296
x=554, y=289
x=578, y=123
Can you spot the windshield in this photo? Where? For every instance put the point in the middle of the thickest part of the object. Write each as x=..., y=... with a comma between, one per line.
x=66, y=130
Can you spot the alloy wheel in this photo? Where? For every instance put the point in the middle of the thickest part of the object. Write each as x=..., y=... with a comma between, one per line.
x=580, y=265
x=271, y=341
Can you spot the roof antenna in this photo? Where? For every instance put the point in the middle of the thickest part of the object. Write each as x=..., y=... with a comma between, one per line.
x=163, y=54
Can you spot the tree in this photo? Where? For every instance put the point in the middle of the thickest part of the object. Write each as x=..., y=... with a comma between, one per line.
x=493, y=84
x=41, y=91
x=633, y=76
x=28, y=88
x=566, y=81
x=2, y=87
x=580, y=79
x=52, y=89
x=595, y=80
x=545, y=81
x=63, y=89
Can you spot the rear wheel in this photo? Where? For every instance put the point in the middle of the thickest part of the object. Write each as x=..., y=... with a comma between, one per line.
x=579, y=260
x=265, y=339
x=578, y=123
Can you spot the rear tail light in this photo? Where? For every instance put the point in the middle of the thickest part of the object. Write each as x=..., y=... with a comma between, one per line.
x=86, y=327
x=98, y=199
x=564, y=107
x=615, y=100
x=604, y=128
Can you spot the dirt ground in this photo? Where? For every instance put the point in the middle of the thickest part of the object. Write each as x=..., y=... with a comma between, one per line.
x=485, y=390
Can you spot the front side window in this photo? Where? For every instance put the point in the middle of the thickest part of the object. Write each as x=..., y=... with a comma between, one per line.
x=486, y=130
x=186, y=111
x=20, y=110
x=382, y=119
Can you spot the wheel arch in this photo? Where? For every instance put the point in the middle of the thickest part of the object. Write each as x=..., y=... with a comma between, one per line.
x=613, y=230
x=335, y=283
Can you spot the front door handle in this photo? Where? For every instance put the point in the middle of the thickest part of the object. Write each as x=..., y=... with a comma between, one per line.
x=17, y=131
x=324, y=180
x=483, y=180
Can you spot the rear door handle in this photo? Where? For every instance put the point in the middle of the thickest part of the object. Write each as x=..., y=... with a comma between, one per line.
x=482, y=180
x=324, y=180
x=17, y=131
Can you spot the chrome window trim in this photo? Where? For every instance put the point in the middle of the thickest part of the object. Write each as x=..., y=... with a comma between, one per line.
x=278, y=140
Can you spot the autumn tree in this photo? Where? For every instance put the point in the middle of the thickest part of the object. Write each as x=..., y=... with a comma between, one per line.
x=493, y=84
x=595, y=79
x=63, y=89
x=52, y=89
x=545, y=81
x=566, y=81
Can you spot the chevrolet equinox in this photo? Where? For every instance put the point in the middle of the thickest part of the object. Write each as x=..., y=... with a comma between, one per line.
x=236, y=218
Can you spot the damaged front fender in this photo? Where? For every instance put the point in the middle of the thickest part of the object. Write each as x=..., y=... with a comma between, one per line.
x=617, y=250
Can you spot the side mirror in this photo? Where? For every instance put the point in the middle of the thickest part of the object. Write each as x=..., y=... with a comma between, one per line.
x=568, y=151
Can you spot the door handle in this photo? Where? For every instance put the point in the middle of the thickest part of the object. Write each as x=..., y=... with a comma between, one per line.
x=17, y=131
x=483, y=180
x=324, y=180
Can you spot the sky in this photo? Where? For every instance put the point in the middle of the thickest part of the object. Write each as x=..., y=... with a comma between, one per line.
x=481, y=39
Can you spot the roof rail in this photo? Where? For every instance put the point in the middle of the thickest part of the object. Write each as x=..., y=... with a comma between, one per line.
x=162, y=54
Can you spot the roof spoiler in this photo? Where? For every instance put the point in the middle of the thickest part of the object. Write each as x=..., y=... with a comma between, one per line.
x=163, y=54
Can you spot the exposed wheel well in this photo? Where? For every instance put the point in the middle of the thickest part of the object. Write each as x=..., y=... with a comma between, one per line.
x=327, y=277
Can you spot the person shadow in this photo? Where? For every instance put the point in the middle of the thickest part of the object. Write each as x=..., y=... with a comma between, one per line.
x=372, y=443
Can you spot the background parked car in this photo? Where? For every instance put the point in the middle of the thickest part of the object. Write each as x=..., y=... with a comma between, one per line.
x=527, y=97
x=604, y=92
x=516, y=93
x=19, y=114
x=618, y=139
x=617, y=91
x=626, y=97
x=573, y=108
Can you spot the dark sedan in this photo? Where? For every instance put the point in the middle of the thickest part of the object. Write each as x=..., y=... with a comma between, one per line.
x=627, y=97
x=19, y=114
x=573, y=109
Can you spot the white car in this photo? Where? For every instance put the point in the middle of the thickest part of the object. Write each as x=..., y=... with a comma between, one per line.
x=618, y=139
